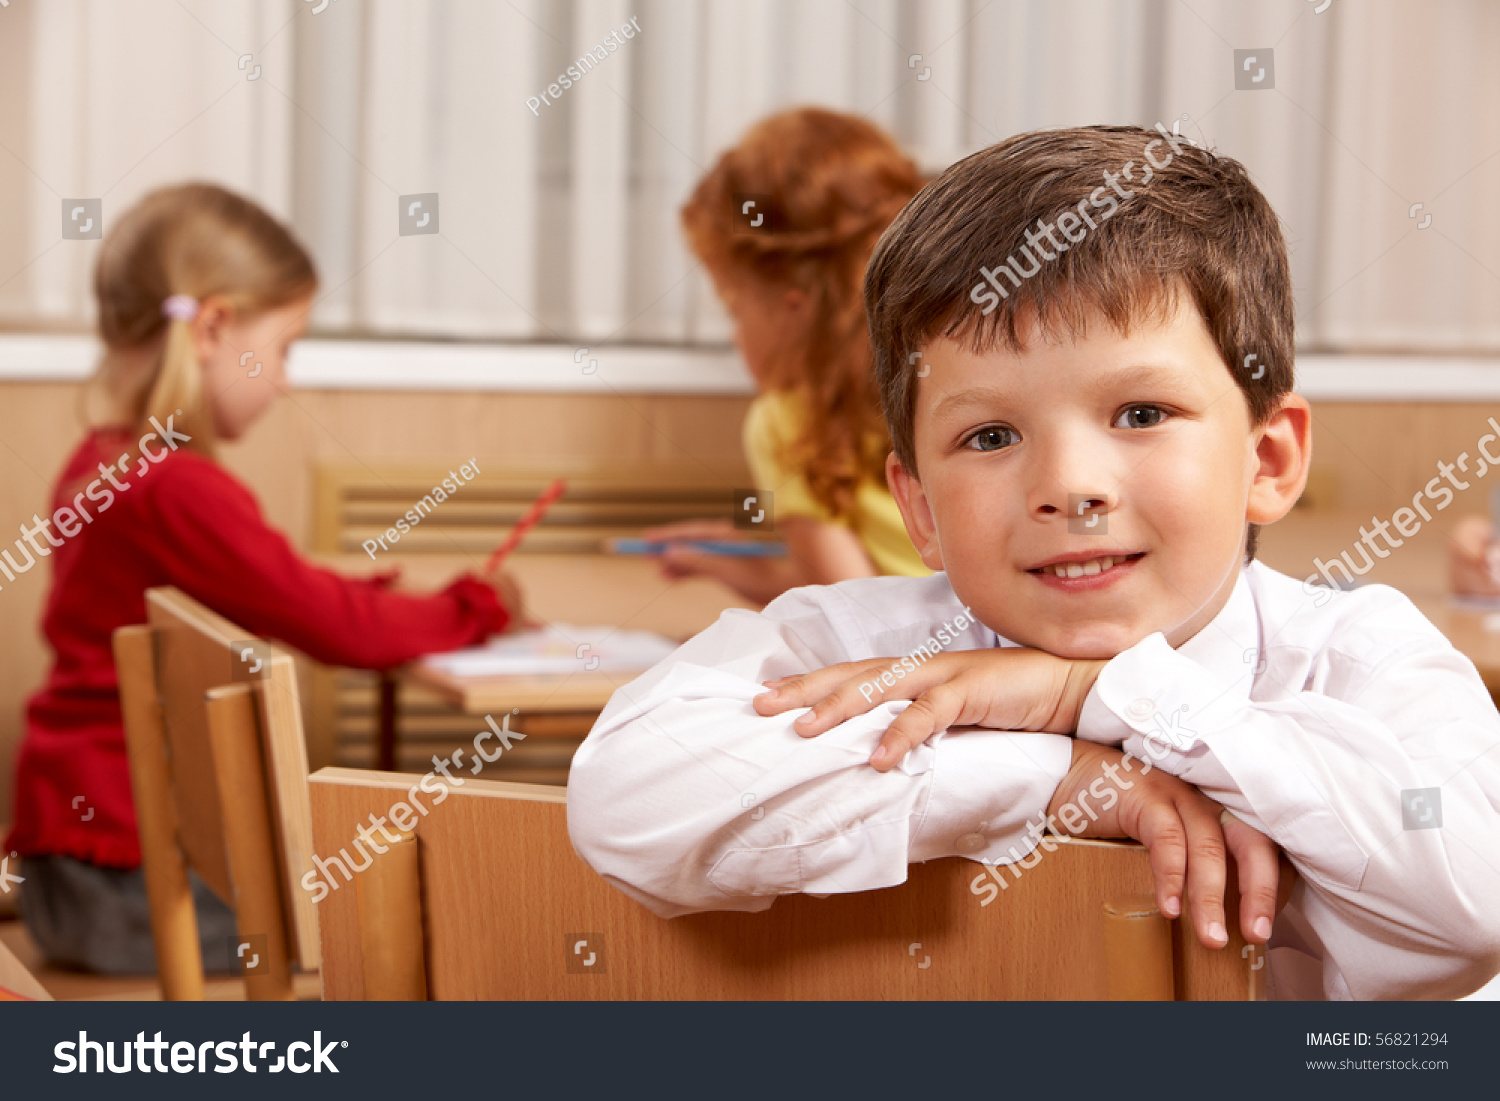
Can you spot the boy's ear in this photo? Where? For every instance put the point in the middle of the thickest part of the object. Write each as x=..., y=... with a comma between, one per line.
x=1283, y=453
x=912, y=500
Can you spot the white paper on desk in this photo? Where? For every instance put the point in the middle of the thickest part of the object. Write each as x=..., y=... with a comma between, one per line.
x=557, y=648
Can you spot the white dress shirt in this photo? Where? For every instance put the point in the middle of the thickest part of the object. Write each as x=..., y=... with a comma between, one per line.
x=1307, y=713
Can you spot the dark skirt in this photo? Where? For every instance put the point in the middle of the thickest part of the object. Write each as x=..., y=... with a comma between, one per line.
x=96, y=919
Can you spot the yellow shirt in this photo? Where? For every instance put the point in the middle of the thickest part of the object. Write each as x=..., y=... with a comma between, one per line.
x=772, y=421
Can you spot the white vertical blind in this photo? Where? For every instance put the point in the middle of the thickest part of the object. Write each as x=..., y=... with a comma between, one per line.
x=561, y=224
x=601, y=177
x=119, y=99
x=665, y=144
x=442, y=111
x=878, y=70
x=942, y=131
x=1414, y=97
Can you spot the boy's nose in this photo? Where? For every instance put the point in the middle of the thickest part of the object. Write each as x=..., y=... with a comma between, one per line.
x=1082, y=506
x=1072, y=478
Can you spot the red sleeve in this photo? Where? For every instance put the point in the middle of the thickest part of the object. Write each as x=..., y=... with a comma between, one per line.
x=213, y=543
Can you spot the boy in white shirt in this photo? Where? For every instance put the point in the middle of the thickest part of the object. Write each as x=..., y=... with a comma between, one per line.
x=1084, y=343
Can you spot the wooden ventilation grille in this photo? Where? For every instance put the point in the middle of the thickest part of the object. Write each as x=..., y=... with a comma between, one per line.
x=359, y=503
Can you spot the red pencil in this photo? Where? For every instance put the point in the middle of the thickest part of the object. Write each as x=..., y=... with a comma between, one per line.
x=533, y=514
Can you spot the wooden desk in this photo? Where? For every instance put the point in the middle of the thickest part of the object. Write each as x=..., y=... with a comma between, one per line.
x=589, y=591
x=582, y=691
x=1419, y=568
x=586, y=590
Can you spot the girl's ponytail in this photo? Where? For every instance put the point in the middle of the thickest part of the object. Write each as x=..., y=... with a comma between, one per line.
x=177, y=389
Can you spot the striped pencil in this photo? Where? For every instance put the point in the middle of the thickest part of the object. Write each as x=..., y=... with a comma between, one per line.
x=533, y=515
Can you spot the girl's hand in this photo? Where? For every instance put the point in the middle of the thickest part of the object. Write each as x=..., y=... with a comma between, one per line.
x=1186, y=832
x=692, y=529
x=508, y=589
x=1474, y=558
x=1006, y=688
x=818, y=553
x=679, y=561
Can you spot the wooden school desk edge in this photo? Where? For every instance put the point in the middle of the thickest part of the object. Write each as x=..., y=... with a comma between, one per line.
x=554, y=692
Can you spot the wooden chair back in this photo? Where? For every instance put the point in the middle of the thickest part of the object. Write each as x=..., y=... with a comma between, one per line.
x=213, y=731
x=487, y=900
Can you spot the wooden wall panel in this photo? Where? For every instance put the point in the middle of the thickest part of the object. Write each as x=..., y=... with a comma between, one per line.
x=1380, y=453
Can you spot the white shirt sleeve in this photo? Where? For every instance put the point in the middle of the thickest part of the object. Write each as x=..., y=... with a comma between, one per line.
x=1377, y=772
x=686, y=799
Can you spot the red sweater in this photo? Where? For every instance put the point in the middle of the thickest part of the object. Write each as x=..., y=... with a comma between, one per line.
x=185, y=522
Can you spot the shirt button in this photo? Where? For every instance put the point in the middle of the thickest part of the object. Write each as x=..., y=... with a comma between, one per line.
x=1141, y=708
x=971, y=842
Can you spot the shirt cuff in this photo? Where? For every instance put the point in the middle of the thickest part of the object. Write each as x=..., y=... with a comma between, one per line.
x=1155, y=692
x=987, y=786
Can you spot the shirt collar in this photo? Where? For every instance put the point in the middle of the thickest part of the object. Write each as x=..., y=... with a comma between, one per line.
x=1229, y=644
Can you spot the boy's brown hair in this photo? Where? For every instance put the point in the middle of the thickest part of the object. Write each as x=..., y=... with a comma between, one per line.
x=1194, y=220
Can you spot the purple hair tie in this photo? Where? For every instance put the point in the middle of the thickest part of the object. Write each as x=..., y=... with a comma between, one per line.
x=180, y=307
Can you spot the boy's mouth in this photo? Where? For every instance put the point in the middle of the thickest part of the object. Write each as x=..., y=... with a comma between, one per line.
x=1086, y=571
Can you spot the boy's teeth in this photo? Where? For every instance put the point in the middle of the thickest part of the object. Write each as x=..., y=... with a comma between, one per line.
x=1083, y=569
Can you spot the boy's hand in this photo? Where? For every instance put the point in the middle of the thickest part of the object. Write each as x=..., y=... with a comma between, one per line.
x=1185, y=834
x=1016, y=688
x=1007, y=688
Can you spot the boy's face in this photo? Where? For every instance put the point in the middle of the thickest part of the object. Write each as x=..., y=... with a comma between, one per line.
x=1128, y=461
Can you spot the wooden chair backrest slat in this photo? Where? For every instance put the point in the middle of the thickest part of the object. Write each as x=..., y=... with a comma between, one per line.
x=505, y=900
x=198, y=651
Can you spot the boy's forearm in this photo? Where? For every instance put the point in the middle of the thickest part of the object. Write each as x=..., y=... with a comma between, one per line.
x=699, y=804
x=688, y=796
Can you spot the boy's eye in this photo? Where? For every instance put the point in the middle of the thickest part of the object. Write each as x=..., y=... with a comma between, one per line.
x=993, y=437
x=1141, y=416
